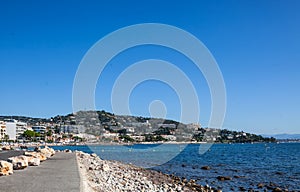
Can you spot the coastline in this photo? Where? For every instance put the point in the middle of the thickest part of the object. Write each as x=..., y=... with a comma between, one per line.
x=97, y=174
x=29, y=145
x=103, y=175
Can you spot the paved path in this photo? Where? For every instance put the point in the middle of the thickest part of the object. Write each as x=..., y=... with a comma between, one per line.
x=58, y=173
x=4, y=155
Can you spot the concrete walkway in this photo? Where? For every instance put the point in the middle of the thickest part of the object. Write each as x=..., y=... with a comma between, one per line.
x=4, y=155
x=58, y=173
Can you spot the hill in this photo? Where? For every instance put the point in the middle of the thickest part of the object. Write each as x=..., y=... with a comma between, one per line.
x=110, y=127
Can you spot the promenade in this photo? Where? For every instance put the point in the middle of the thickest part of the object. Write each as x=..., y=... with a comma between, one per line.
x=58, y=173
x=4, y=155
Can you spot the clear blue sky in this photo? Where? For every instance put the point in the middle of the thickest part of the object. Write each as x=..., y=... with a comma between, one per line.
x=256, y=44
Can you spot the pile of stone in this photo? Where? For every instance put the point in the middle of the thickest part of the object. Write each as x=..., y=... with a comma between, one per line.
x=103, y=175
x=33, y=158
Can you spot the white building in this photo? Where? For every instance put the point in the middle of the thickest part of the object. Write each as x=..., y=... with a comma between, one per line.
x=21, y=127
x=2, y=130
x=39, y=129
x=169, y=137
x=15, y=128
x=11, y=129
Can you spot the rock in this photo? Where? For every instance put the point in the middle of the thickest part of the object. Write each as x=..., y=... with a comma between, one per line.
x=104, y=167
x=39, y=155
x=37, y=149
x=48, y=152
x=223, y=178
x=42, y=157
x=33, y=161
x=19, y=162
x=93, y=155
x=272, y=184
x=6, y=168
x=6, y=148
x=52, y=151
x=260, y=185
x=67, y=151
x=277, y=189
x=206, y=168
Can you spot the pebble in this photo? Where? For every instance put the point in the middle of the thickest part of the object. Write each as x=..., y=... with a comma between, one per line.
x=120, y=177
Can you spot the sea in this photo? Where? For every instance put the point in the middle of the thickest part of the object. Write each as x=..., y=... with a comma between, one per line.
x=247, y=165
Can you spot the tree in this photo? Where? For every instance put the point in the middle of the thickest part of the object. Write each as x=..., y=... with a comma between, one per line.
x=49, y=133
x=6, y=137
x=28, y=134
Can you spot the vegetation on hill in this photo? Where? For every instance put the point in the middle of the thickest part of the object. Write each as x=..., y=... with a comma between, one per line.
x=136, y=129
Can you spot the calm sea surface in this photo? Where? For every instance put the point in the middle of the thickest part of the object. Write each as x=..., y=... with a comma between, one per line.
x=246, y=164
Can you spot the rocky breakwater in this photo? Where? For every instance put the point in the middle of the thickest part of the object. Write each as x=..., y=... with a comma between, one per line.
x=30, y=158
x=102, y=175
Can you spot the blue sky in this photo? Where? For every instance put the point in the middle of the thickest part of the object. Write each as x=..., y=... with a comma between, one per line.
x=256, y=45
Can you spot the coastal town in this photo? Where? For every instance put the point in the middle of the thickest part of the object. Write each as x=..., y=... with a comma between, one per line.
x=101, y=126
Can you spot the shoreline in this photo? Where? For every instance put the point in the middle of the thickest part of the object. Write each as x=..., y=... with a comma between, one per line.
x=104, y=175
x=97, y=174
x=30, y=145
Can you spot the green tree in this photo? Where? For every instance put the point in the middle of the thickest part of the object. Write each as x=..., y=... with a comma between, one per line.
x=29, y=134
x=49, y=133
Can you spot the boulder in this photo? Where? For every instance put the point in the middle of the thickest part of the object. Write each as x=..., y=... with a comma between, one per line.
x=33, y=161
x=52, y=151
x=19, y=162
x=81, y=154
x=6, y=148
x=6, y=168
x=260, y=185
x=93, y=155
x=277, y=189
x=39, y=155
x=42, y=157
x=48, y=152
x=37, y=149
x=67, y=151
x=205, y=167
x=223, y=178
x=104, y=167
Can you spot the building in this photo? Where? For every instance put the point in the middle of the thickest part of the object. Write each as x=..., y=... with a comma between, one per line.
x=169, y=137
x=2, y=130
x=15, y=128
x=11, y=129
x=112, y=136
x=21, y=127
x=72, y=129
x=39, y=129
